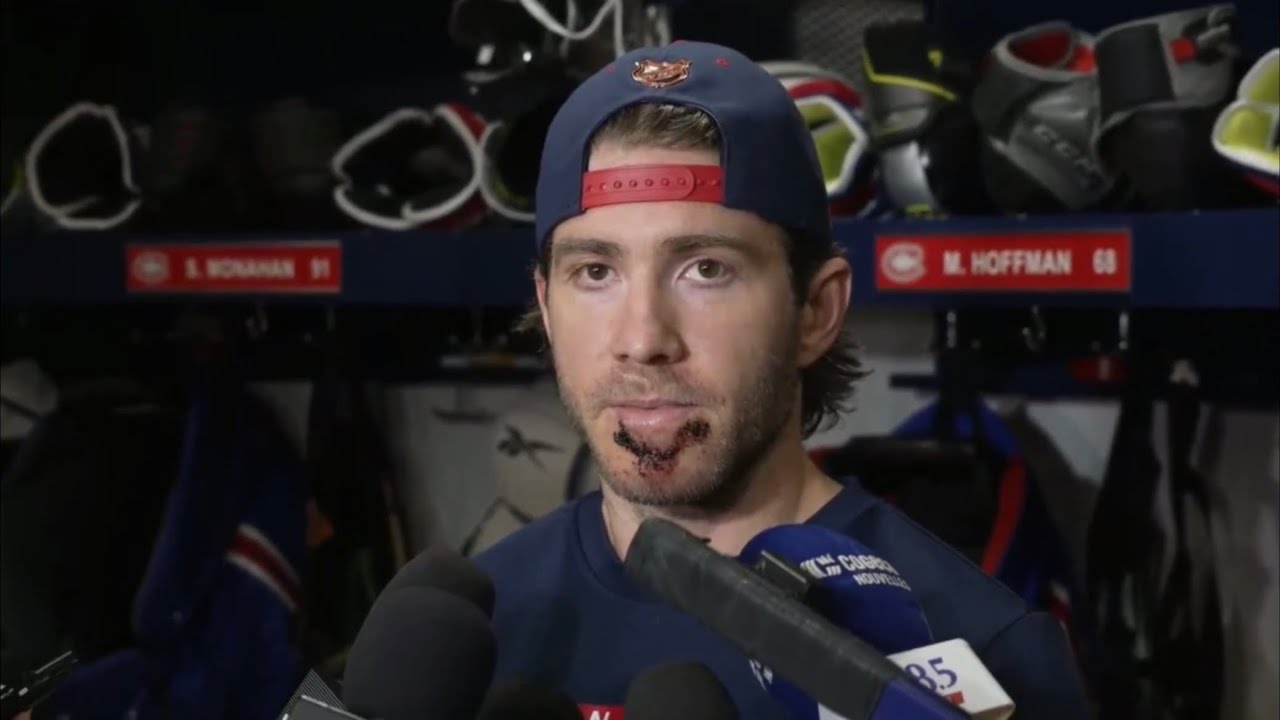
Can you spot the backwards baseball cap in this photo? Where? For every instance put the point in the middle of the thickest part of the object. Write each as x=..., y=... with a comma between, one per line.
x=768, y=163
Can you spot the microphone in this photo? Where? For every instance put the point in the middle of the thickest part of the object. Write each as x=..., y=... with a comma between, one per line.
x=521, y=701
x=445, y=570
x=867, y=597
x=307, y=708
x=420, y=653
x=437, y=568
x=313, y=696
x=678, y=690
x=852, y=586
x=35, y=685
x=840, y=671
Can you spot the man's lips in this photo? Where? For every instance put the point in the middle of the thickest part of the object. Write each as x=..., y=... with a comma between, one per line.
x=654, y=415
x=649, y=404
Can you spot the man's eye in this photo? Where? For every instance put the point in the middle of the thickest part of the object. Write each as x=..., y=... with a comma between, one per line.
x=595, y=272
x=709, y=270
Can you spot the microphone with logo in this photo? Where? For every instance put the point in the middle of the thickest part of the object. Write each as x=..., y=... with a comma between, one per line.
x=864, y=594
x=678, y=690
x=842, y=672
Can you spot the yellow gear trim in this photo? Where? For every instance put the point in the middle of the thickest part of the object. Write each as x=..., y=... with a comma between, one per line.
x=904, y=81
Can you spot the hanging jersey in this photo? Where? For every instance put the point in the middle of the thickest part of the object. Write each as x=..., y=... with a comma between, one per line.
x=215, y=617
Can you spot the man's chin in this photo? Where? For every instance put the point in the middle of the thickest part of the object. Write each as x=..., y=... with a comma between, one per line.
x=676, y=491
x=683, y=480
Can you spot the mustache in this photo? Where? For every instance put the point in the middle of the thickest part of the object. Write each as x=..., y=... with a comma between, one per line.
x=621, y=388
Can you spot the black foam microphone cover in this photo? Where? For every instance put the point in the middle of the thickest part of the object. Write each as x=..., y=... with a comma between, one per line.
x=522, y=701
x=422, y=653
x=678, y=690
x=443, y=569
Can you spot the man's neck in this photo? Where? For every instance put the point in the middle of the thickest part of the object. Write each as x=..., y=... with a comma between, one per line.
x=785, y=487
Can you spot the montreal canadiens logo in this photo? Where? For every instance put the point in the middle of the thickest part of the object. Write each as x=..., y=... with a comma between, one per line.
x=903, y=262
x=659, y=74
x=151, y=268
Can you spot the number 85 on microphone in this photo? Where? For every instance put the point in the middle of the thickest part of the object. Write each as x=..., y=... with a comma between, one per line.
x=954, y=671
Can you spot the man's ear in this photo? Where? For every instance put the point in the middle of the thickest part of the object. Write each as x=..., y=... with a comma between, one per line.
x=540, y=289
x=823, y=314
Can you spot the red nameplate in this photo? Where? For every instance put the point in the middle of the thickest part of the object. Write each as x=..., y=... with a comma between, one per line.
x=600, y=712
x=268, y=267
x=1067, y=260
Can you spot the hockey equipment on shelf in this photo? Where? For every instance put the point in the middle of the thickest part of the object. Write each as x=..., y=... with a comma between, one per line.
x=1162, y=82
x=1036, y=103
x=833, y=109
x=411, y=168
x=292, y=141
x=921, y=128
x=80, y=169
x=192, y=176
x=1247, y=133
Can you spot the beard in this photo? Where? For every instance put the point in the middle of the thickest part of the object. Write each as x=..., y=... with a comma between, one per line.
x=706, y=466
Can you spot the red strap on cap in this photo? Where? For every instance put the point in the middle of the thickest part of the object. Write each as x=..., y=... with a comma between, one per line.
x=652, y=183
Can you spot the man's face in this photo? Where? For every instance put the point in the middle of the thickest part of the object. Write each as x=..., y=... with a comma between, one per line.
x=674, y=333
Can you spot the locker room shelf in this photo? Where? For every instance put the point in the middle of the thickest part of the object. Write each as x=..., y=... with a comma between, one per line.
x=1044, y=381
x=1225, y=260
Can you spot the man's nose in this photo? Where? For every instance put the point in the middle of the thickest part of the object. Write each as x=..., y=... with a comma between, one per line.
x=646, y=331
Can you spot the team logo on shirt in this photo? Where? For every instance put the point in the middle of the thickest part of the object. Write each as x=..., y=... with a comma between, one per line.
x=659, y=74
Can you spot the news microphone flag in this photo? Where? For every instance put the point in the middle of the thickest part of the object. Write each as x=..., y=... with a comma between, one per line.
x=955, y=672
x=851, y=586
x=837, y=669
x=865, y=595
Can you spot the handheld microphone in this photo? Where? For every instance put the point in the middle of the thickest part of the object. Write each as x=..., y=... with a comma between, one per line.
x=445, y=570
x=522, y=701
x=838, y=670
x=852, y=586
x=867, y=597
x=678, y=690
x=308, y=708
x=35, y=685
x=313, y=698
x=436, y=568
x=420, y=653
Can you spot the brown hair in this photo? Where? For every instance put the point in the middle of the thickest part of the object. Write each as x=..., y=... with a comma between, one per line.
x=826, y=386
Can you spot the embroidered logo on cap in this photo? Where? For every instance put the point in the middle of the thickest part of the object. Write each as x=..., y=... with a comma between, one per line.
x=660, y=73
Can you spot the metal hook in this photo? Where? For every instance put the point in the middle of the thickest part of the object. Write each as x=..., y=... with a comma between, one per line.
x=1033, y=336
x=951, y=337
x=477, y=328
x=256, y=325
x=1122, y=330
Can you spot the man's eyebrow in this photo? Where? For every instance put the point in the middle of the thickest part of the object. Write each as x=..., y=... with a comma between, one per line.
x=691, y=244
x=569, y=247
x=679, y=245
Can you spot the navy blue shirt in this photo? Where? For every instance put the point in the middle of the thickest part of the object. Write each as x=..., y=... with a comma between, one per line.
x=567, y=616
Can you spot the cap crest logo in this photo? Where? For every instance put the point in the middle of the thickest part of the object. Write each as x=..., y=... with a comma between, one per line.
x=659, y=74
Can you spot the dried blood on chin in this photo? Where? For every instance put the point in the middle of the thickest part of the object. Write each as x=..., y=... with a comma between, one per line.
x=653, y=462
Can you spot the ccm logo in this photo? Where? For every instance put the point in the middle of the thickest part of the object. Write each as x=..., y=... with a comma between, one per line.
x=903, y=262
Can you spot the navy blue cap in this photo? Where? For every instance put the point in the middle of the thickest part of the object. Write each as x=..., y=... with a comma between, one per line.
x=768, y=162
